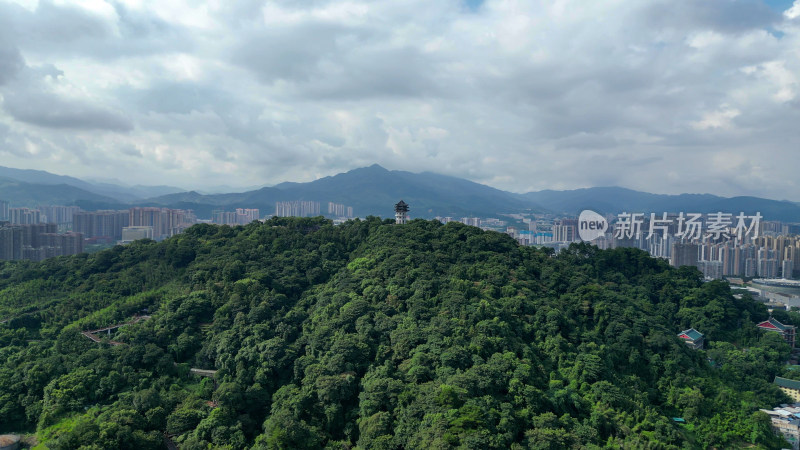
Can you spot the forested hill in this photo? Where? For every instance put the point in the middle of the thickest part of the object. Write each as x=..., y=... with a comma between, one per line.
x=376, y=336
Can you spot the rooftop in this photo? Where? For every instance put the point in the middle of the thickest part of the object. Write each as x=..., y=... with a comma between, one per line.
x=787, y=383
x=774, y=324
x=691, y=333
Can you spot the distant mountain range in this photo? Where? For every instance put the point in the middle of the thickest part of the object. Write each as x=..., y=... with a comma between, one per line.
x=370, y=191
x=112, y=192
x=616, y=199
x=373, y=190
x=19, y=193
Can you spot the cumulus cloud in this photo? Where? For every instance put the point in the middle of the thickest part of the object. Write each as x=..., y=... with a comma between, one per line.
x=34, y=98
x=51, y=111
x=649, y=94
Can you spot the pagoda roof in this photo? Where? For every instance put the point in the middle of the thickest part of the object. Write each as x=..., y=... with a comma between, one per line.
x=787, y=383
x=773, y=324
x=691, y=333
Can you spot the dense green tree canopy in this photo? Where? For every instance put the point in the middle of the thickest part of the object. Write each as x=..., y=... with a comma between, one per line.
x=373, y=335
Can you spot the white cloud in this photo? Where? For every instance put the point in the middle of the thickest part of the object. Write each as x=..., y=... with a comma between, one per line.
x=721, y=118
x=522, y=95
x=793, y=12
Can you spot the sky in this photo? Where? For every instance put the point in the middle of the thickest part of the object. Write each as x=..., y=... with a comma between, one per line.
x=665, y=96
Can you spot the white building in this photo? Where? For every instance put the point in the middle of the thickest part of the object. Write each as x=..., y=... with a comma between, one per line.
x=786, y=421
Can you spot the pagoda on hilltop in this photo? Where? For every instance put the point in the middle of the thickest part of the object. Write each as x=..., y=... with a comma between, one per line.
x=400, y=212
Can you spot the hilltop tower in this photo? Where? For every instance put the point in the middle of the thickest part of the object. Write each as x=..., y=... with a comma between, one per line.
x=400, y=212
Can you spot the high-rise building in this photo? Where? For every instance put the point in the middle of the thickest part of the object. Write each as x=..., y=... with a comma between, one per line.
x=220, y=217
x=751, y=267
x=58, y=214
x=101, y=224
x=32, y=234
x=471, y=221
x=23, y=216
x=770, y=228
x=247, y=215
x=767, y=263
x=795, y=252
x=297, y=208
x=130, y=234
x=711, y=270
x=685, y=254
x=10, y=242
x=787, y=268
x=37, y=242
x=724, y=252
x=165, y=222
x=659, y=246
x=336, y=209
x=340, y=210
x=147, y=217
x=749, y=260
x=63, y=244
x=564, y=230
x=4, y=210
x=241, y=216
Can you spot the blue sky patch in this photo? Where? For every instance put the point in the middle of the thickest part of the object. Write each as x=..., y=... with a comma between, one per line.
x=473, y=4
x=779, y=5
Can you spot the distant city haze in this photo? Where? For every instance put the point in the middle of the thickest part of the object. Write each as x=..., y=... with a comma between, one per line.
x=663, y=97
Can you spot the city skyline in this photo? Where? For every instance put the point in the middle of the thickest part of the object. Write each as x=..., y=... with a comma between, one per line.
x=654, y=96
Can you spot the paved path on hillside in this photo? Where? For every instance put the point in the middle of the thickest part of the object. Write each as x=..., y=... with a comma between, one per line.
x=91, y=333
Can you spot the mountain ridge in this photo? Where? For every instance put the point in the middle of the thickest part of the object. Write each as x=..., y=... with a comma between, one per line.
x=614, y=199
x=428, y=194
x=372, y=190
x=117, y=192
x=19, y=193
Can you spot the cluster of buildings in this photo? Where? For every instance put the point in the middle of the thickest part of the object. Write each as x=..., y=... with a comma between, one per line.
x=785, y=419
x=771, y=250
x=107, y=226
x=764, y=257
x=308, y=208
x=60, y=215
x=340, y=210
x=487, y=223
x=53, y=230
x=297, y=208
x=36, y=242
x=47, y=231
x=78, y=228
x=546, y=230
x=33, y=234
x=242, y=216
